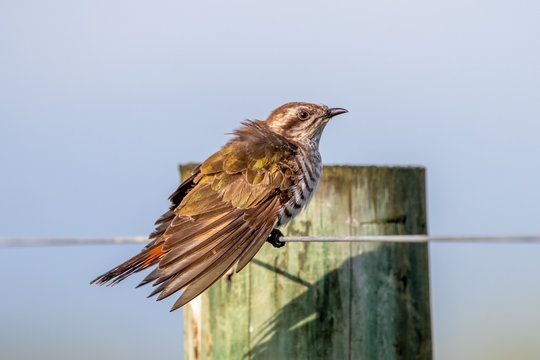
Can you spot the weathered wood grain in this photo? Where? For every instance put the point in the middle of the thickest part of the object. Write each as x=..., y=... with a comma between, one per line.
x=329, y=300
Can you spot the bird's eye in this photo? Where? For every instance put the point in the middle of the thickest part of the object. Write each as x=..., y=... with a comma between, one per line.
x=303, y=115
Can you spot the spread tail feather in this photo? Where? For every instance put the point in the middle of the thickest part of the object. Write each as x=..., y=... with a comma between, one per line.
x=141, y=261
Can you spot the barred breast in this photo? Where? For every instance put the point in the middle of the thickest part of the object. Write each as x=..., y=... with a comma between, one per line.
x=308, y=171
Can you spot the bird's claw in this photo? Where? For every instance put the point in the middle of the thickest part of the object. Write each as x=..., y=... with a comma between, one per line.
x=274, y=238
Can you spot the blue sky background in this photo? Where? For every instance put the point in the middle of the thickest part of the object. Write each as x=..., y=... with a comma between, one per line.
x=100, y=101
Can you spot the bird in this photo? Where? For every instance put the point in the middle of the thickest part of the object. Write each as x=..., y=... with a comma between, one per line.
x=233, y=203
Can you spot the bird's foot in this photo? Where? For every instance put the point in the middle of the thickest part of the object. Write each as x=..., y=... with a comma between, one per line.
x=274, y=238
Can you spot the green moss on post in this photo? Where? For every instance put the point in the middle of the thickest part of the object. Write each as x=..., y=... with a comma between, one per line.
x=328, y=300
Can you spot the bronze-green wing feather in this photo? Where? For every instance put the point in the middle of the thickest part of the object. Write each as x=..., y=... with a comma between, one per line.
x=220, y=216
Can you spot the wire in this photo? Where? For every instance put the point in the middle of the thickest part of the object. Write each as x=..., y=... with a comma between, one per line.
x=21, y=242
x=10, y=242
x=411, y=238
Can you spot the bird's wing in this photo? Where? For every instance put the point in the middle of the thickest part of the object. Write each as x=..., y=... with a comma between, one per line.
x=224, y=217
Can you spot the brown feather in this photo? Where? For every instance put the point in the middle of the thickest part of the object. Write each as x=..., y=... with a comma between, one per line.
x=209, y=277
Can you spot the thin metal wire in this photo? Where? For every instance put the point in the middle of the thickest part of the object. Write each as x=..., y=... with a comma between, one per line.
x=10, y=242
x=21, y=242
x=411, y=238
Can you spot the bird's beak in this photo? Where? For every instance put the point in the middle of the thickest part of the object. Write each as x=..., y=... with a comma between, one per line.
x=335, y=111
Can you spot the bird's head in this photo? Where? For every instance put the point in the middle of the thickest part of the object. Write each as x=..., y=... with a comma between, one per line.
x=301, y=121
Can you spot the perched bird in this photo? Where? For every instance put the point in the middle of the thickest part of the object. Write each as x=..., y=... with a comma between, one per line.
x=233, y=202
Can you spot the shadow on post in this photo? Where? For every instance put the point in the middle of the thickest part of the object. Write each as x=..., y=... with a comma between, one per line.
x=329, y=321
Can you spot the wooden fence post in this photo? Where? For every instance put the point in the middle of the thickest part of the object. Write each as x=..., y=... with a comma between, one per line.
x=328, y=300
